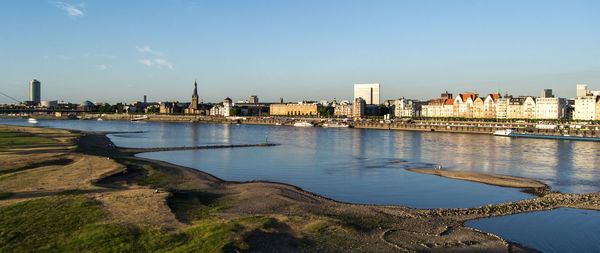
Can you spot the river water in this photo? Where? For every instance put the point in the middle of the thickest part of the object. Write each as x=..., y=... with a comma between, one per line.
x=365, y=166
x=558, y=230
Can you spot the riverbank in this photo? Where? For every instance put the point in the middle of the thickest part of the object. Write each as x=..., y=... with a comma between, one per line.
x=473, y=126
x=194, y=209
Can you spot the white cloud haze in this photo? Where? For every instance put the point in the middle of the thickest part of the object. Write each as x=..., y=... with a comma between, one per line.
x=70, y=9
x=102, y=67
x=148, y=50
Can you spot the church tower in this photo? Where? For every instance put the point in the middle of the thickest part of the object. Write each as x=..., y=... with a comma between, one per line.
x=194, y=104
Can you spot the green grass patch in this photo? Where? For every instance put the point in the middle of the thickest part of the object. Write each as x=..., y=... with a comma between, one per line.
x=99, y=238
x=73, y=223
x=5, y=195
x=212, y=235
x=37, y=225
x=12, y=139
x=154, y=178
x=191, y=206
x=317, y=227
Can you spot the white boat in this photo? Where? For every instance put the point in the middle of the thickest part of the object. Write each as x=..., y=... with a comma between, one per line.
x=303, y=124
x=335, y=124
x=99, y=119
x=503, y=132
x=32, y=121
x=140, y=118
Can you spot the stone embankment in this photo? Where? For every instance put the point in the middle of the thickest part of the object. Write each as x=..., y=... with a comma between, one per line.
x=547, y=202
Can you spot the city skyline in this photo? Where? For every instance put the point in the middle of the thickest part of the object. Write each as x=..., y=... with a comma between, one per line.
x=117, y=52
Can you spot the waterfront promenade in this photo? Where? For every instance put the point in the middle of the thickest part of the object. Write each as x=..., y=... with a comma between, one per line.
x=475, y=126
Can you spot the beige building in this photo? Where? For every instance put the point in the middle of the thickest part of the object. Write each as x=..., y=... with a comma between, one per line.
x=502, y=108
x=463, y=105
x=489, y=105
x=585, y=108
x=515, y=108
x=222, y=110
x=478, y=108
x=528, y=108
x=342, y=109
x=433, y=108
x=293, y=109
x=448, y=108
x=597, y=108
x=407, y=108
x=358, y=109
x=550, y=108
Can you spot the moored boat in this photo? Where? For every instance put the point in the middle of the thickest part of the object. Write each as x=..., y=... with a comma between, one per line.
x=303, y=124
x=512, y=133
x=335, y=124
x=504, y=132
x=32, y=121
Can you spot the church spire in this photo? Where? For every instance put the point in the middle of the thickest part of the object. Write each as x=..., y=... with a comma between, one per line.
x=195, y=88
x=194, y=104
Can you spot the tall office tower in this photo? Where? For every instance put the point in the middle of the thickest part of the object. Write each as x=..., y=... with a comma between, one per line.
x=35, y=91
x=253, y=99
x=581, y=90
x=547, y=93
x=369, y=92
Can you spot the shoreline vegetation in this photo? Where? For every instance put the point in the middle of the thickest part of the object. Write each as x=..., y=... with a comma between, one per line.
x=69, y=191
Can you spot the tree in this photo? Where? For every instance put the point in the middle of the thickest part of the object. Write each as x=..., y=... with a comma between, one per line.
x=325, y=111
x=383, y=110
x=235, y=111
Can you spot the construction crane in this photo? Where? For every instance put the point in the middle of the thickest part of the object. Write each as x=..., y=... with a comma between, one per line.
x=18, y=102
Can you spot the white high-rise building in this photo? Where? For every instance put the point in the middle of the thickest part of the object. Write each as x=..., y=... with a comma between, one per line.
x=585, y=108
x=34, y=91
x=581, y=90
x=368, y=92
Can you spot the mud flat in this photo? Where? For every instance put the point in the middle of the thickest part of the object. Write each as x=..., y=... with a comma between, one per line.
x=491, y=179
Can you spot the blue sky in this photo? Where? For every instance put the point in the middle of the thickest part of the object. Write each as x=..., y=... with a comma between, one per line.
x=112, y=51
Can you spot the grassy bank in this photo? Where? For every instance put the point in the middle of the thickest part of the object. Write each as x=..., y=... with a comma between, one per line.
x=11, y=139
x=74, y=223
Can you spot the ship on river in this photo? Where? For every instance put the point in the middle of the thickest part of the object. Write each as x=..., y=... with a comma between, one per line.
x=510, y=132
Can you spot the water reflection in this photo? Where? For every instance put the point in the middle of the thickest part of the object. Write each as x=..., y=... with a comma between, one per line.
x=567, y=166
x=559, y=230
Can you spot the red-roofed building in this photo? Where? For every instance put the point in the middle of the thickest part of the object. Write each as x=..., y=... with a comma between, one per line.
x=433, y=108
x=448, y=108
x=489, y=105
x=463, y=105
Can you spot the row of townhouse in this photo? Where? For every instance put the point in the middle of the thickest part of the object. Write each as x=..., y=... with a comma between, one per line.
x=471, y=105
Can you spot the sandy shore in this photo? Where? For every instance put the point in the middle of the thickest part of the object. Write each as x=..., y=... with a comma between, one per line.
x=124, y=186
x=491, y=179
